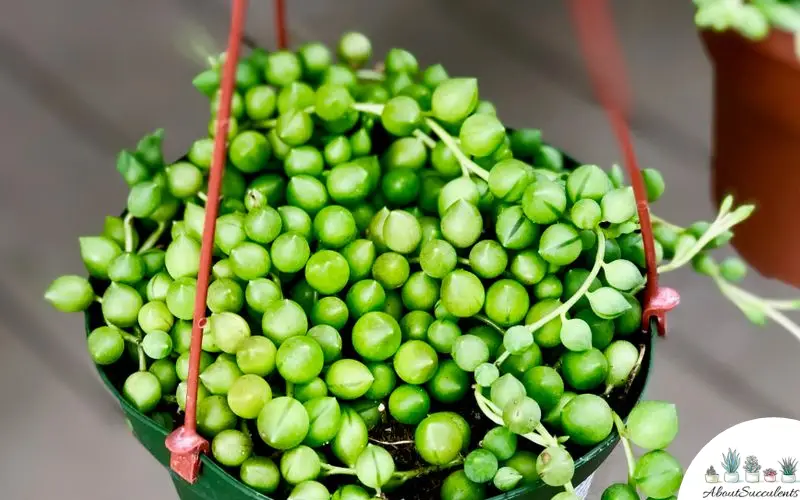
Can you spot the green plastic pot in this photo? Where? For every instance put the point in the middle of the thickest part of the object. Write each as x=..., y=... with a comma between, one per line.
x=215, y=483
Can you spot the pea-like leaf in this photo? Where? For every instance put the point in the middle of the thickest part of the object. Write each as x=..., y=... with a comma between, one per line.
x=576, y=335
x=131, y=169
x=608, y=303
x=148, y=150
x=623, y=275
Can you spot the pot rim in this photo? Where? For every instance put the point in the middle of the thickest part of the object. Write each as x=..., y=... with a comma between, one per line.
x=778, y=44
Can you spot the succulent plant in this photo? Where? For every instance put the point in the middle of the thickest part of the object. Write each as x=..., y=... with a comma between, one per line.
x=751, y=464
x=788, y=465
x=711, y=471
x=770, y=472
x=731, y=461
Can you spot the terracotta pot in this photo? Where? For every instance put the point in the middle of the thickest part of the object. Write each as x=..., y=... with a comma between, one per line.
x=756, y=145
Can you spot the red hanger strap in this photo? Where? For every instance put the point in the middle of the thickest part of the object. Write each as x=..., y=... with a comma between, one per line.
x=185, y=444
x=281, y=32
x=603, y=56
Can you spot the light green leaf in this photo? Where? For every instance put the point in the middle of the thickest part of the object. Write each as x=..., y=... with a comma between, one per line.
x=576, y=335
x=607, y=303
x=623, y=275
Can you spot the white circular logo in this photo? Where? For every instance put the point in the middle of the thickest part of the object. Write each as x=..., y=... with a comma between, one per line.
x=758, y=458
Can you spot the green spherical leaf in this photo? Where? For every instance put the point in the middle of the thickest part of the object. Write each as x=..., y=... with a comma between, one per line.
x=555, y=466
x=462, y=293
x=454, y=99
x=576, y=335
x=144, y=199
x=586, y=214
x=401, y=232
x=506, y=479
x=623, y=275
x=352, y=437
x=652, y=425
x=401, y=116
x=309, y=490
x=588, y=182
x=374, y=467
x=97, y=253
x=618, y=205
x=469, y=352
x=521, y=416
x=480, y=466
x=283, y=423
x=438, y=258
x=300, y=464
x=348, y=379
x=733, y=269
x=608, y=303
x=354, y=48
x=481, y=134
x=658, y=474
x=560, y=244
x=544, y=201
x=486, y=374
x=518, y=339
x=70, y=294
x=622, y=357
x=506, y=390
x=620, y=491
x=514, y=230
x=653, y=183
x=438, y=438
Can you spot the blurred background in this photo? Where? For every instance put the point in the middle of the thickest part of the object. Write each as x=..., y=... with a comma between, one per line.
x=80, y=80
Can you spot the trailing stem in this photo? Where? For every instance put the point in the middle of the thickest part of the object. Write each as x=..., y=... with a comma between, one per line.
x=566, y=306
x=626, y=446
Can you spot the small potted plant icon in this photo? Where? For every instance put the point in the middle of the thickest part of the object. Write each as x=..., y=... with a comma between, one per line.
x=770, y=475
x=711, y=475
x=751, y=469
x=788, y=469
x=730, y=464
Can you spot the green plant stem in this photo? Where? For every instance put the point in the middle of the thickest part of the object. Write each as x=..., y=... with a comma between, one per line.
x=467, y=166
x=724, y=222
x=626, y=446
x=569, y=488
x=782, y=305
x=402, y=477
x=127, y=337
x=142, y=358
x=289, y=389
x=203, y=196
x=128, y=229
x=738, y=295
x=98, y=299
x=494, y=414
x=486, y=321
x=661, y=222
x=370, y=74
x=333, y=470
x=368, y=107
x=151, y=241
x=566, y=306
x=425, y=138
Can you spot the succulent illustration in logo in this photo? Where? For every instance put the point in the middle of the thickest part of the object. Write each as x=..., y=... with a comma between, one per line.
x=788, y=467
x=770, y=475
x=730, y=464
x=751, y=469
x=711, y=475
